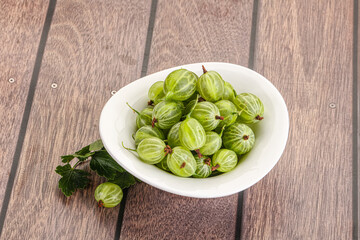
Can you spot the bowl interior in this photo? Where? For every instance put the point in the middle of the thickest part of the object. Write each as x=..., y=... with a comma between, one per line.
x=117, y=125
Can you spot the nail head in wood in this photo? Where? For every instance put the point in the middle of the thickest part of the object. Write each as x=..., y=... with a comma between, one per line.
x=11, y=80
x=113, y=92
x=332, y=105
x=54, y=85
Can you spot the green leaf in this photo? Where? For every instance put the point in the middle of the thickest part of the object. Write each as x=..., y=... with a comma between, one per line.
x=67, y=158
x=124, y=180
x=96, y=146
x=105, y=165
x=72, y=179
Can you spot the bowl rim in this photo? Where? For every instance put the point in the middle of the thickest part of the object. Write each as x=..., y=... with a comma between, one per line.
x=117, y=155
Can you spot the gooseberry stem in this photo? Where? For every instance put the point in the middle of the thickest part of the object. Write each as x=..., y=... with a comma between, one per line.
x=222, y=130
x=193, y=107
x=130, y=149
x=215, y=167
x=201, y=99
x=245, y=137
x=259, y=118
x=207, y=161
x=167, y=150
x=183, y=165
x=150, y=102
x=100, y=204
x=153, y=122
x=204, y=70
x=198, y=153
x=219, y=117
x=132, y=108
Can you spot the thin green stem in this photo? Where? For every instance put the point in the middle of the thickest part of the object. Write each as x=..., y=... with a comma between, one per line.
x=76, y=164
x=222, y=130
x=130, y=149
x=132, y=108
x=193, y=107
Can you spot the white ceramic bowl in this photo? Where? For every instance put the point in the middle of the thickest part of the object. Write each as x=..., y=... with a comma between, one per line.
x=117, y=124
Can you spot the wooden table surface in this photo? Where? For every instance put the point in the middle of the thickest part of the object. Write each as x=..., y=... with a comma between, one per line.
x=60, y=61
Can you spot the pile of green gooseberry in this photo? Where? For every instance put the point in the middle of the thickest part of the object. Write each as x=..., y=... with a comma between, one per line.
x=196, y=126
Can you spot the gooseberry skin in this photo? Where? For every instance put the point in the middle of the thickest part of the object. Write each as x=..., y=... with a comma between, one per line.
x=180, y=85
x=167, y=113
x=229, y=92
x=151, y=150
x=203, y=170
x=181, y=162
x=251, y=109
x=156, y=92
x=224, y=160
x=227, y=110
x=173, y=136
x=210, y=85
x=163, y=165
x=192, y=134
x=144, y=117
x=146, y=132
x=212, y=145
x=208, y=115
x=239, y=138
x=108, y=195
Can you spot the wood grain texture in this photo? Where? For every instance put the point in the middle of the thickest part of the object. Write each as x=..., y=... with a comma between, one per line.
x=187, y=32
x=305, y=49
x=93, y=48
x=21, y=26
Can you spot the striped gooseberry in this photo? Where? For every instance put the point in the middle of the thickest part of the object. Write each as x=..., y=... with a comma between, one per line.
x=203, y=167
x=212, y=145
x=224, y=160
x=144, y=117
x=146, y=132
x=210, y=85
x=181, y=162
x=151, y=150
x=251, y=109
x=208, y=115
x=156, y=92
x=173, y=135
x=229, y=92
x=108, y=195
x=228, y=111
x=179, y=85
x=239, y=138
x=166, y=114
x=192, y=134
x=163, y=165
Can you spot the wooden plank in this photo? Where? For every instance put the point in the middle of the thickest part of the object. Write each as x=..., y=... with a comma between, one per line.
x=93, y=48
x=21, y=26
x=187, y=32
x=356, y=68
x=305, y=49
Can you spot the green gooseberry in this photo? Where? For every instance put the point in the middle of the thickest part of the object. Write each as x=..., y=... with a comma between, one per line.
x=190, y=106
x=179, y=85
x=166, y=114
x=181, y=162
x=163, y=165
x=239, y=138
x=229, y=92
x=210, y=85
x=227, y=110
x=156, y=92
x=151, y=150
x=146, y=132
x=208, y=115
x=212, y=145
x=224, y=160
x=173, y=136
x=203, y=167
x=192, y=134
x=251, y=109
x=108, y=194
x=144, y=117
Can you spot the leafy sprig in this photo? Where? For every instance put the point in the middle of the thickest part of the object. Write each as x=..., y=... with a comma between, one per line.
x=100, y=162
